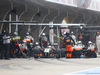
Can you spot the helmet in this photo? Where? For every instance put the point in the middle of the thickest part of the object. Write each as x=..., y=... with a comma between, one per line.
x=89, y=42
x=67, y=34
x=43, y=33
x=79, y=42
x=71, y=32
x=64, y=33
x=37, y=43
x=15, y=33
x=27, y=33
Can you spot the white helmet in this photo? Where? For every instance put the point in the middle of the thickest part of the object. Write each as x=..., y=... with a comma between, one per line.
x=79, y=42
x=71, y=32
x=64, y=33
x=15, y=33
x=27, y=33
x=36, y=43
x=89, y=42
x=43, y=33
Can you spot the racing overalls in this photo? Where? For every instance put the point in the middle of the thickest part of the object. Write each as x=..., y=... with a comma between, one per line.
x=91, y=50
x=43, y=40
x=16, y=47
x=78, y=50
x=29, y=40
x=73, y=37
x=69, y=49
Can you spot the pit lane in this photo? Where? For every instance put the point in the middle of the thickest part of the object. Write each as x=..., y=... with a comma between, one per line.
x=46, y=66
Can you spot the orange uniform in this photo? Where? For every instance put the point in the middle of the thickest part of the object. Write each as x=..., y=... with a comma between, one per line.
x=69, y=49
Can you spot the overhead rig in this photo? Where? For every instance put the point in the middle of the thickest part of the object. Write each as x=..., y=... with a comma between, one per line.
x=47, y=24
x=70, y=26
x=77, y=27
x=36, y=23
x=54, y=25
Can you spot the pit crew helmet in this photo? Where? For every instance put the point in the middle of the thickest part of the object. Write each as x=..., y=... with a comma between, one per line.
x=15, y=33
x=67, y=34
x=36, y=43
x=27, y=33
x=89, y=42
x=64, y=33
x=72, y=32
x=79, y=42
x=43, y=34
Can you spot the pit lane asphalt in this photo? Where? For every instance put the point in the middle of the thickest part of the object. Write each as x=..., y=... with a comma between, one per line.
x=46, y=66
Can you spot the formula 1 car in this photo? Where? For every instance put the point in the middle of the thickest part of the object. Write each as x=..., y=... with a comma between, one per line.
x=50, y=51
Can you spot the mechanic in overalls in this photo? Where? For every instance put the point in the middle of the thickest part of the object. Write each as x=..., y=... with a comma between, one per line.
x=63, y=43
x=29, y=40
x=73, y=36
x=15, y=39
x=78, y=49
x=67, y=41
x=91, y=50
x=43, y=40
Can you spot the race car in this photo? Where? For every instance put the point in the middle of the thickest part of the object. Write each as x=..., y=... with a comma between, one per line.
x=50, y=51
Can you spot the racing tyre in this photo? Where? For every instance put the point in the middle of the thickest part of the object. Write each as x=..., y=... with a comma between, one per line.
x=35, y=56
x=94, y=55
x=58, y=54
x=63, y=52
x=36, y=52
